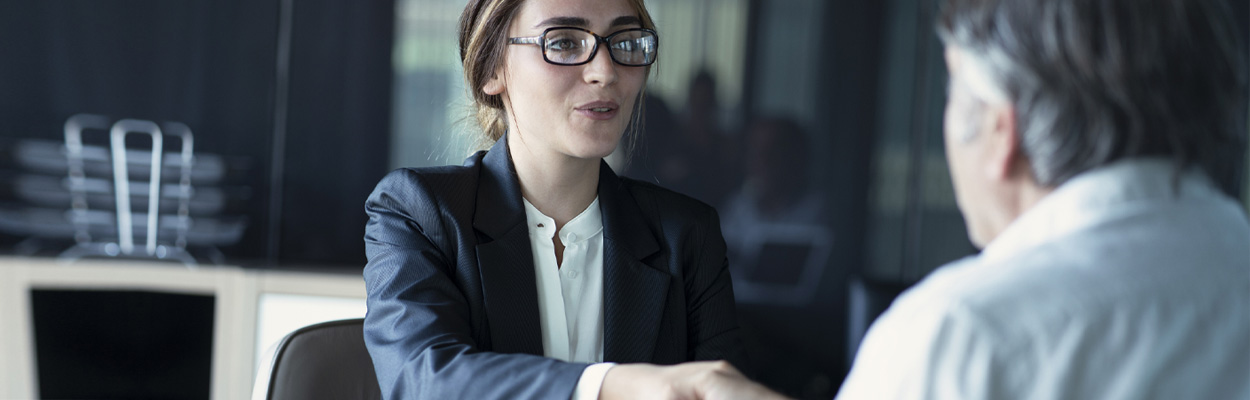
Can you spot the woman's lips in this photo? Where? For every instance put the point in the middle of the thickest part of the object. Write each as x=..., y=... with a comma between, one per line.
x=599, y=110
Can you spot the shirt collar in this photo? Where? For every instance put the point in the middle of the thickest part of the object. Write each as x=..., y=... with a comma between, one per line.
x=1096, y=196
x=584, y=226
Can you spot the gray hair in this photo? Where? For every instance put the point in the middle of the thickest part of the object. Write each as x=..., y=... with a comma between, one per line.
x=1096, y=81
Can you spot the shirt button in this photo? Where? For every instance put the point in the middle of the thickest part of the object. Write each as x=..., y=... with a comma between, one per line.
x=572, y=274
x=572, y=237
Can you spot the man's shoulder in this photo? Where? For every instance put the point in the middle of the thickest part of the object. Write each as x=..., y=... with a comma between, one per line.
x=1088, y=275
x=1036, y=284
x=1088, y=299
x=975, y=281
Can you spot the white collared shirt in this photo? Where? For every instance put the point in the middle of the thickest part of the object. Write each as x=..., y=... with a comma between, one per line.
x=1117, y=285
x=570, y=294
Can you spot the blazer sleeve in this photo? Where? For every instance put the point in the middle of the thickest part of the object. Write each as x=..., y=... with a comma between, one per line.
x=417, y=328
x=710, y=306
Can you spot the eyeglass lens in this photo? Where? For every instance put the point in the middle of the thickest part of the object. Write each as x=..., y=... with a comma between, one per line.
x=575, y=46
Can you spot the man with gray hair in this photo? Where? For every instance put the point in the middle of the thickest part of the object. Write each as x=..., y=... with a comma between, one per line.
x=1091, y=145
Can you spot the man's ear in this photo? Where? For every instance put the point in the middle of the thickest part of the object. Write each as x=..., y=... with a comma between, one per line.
x=1003, y=153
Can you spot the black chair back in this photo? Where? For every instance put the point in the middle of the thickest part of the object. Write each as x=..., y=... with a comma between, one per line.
x=323, y=361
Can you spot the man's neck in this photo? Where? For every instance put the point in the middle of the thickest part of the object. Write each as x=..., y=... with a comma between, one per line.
x=1020, y=195
x=1029, y=195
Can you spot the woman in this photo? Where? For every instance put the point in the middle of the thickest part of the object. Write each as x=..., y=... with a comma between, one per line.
x=518, y=274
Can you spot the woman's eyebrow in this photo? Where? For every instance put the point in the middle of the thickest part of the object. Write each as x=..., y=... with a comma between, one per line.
x=564, y=21
x=626, y=20
x=583, y=23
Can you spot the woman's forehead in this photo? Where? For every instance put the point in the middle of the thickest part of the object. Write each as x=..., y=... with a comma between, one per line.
x=589, y=14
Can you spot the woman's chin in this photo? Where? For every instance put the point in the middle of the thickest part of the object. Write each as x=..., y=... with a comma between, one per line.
x=594, y=149
x=595, y=145
x=594, y=153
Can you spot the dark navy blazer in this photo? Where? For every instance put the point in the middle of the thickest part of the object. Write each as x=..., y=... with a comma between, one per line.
x=452, y=298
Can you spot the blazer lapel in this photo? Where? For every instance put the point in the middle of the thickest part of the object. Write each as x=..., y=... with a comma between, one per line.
x=505, y=258
x=633, y=291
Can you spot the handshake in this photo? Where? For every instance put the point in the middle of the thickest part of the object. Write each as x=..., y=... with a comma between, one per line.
x=692, y=380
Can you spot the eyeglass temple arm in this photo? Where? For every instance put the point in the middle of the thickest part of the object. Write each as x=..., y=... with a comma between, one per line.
x=526, y=40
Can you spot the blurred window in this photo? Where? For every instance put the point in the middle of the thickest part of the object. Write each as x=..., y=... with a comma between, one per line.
x=914, y=225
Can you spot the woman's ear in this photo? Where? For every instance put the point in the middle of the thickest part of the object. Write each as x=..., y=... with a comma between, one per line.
x=493, y=86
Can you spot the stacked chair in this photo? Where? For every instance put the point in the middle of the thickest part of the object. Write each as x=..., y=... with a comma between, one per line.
x=93, y=195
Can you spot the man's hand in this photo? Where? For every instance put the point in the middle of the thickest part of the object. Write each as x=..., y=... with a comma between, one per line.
x=689, y=381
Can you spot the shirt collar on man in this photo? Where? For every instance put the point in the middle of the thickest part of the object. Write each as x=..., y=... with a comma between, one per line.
x=1096, y=196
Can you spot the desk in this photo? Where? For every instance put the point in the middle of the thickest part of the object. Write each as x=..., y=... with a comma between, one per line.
x=237, y=293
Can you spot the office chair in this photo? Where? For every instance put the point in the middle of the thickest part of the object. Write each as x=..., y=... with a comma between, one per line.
x=321, y=361
x=107, y=199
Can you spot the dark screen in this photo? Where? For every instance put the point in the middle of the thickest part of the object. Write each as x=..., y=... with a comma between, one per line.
x=122, y=344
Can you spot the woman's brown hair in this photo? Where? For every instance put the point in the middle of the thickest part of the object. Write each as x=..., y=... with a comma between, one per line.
x=483, y=42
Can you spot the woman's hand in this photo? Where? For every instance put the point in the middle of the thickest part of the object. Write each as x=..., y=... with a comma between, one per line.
x=687, y=381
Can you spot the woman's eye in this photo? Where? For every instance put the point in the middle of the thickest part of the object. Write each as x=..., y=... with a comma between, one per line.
x=563, y=44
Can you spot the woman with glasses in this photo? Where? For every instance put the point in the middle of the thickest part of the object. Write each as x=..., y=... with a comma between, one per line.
x=533, y=270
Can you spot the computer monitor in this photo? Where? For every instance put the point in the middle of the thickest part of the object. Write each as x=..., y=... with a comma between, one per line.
x=780, y=263
x=237, y=311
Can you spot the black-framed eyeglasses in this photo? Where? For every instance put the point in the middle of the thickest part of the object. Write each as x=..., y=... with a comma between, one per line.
x=634, y=47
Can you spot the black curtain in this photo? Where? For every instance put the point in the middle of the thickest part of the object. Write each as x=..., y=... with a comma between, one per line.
x=339, y=128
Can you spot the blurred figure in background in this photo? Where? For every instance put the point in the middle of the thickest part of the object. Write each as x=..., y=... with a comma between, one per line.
x=698, y=159
x=1086, y=141
x=652, y=141
x=773, y=222
x=775, y=186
